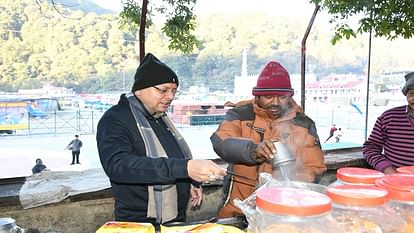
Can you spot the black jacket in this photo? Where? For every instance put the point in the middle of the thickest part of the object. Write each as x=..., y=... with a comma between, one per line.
x=38, y=168
x=123, y=157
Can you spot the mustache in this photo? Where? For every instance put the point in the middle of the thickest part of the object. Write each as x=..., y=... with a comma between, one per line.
x=279, y=110
x=275, y=107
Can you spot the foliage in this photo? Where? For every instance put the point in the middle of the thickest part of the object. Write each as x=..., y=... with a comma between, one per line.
x=180, y=21
x=389, y=19
x=131, y=15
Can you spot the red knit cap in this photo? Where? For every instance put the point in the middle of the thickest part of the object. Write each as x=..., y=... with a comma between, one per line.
x=273, y=80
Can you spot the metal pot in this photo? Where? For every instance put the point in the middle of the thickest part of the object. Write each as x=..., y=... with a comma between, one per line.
x=283, y=155
x=8, y=225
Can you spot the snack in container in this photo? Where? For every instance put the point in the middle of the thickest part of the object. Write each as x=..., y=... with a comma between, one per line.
x=126, y=227
x=362, y=208
x=201, y=228
x=282, y=207
x=400, y=187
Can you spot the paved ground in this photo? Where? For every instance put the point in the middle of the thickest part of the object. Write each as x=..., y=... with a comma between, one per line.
x=18, y=153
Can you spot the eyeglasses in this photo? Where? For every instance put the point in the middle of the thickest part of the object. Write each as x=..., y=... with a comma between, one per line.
x=164, y=91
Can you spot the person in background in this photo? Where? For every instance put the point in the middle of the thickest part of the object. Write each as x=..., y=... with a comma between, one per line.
x=331, y=132
x=391, y=142
x=245, y=137
x=148, y=162
x=75, y=146
x=38, y=167
x=338, y=134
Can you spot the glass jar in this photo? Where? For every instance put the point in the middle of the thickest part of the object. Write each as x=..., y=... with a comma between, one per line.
x=406, y=170
x=357, y=176
x=293, y=210
x=400, y=189
x=362, y=208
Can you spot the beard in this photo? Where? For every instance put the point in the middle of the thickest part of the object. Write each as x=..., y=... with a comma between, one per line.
x=279, y=111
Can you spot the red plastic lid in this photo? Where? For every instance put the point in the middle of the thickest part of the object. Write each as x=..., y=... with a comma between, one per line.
x=292, y=201
x=359, y=195
x=357, y=175
x=406, y=170
x=399, y=186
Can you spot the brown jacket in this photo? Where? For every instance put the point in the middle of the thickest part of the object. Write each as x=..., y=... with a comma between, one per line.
x=243, y=128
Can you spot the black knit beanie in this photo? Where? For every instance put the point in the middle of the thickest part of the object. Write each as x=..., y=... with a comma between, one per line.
x=152, y=72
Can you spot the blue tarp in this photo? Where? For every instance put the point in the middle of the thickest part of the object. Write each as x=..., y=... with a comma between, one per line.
x=357, y=108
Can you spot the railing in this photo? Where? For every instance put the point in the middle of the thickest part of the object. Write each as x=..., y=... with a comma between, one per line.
x=83, y=121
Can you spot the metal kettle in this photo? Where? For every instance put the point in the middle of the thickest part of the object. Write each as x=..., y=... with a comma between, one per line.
x=8, y=225
x=283, y=155
x=283, y=163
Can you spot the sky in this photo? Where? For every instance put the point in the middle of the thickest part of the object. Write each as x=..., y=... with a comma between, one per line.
x=272, y=7
x=297, y=8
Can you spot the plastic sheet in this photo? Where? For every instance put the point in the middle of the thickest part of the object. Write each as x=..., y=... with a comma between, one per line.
x=266, y=180
x=51, y=187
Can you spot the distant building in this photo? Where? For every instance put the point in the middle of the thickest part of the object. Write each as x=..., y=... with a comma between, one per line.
x=395, y=80
x=346, y=88
x=389, y=85
x=47, y=90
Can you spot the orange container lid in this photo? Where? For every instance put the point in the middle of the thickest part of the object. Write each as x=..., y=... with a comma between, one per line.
x=292, y=201
x=359, y=195
x=400, y=186
x=406, y=169
x=357, y=175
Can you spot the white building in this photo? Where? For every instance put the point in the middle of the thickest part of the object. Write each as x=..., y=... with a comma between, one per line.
x=48, y=90
x=346, y=88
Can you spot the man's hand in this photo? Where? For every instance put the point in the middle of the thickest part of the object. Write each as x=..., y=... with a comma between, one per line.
x=265, y=151
x=196, y=196
x=204, y=170
x=390, y=170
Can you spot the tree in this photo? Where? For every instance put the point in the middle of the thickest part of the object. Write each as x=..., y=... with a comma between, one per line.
x=180, y=22
x=389, y=19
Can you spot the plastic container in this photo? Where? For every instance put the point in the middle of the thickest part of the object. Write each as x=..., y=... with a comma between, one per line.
x=362, y=208
x=287, y=209
x=406, y=170
x=400, y=189
x=125, y=227
x=357, y=176
x=266, y=181
x=201, y=228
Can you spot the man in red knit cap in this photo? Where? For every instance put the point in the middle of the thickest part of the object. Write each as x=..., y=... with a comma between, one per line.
x=245, y=137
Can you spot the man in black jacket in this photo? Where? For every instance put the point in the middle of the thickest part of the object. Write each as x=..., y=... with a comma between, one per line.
x=146, y=159
x=38, y=167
